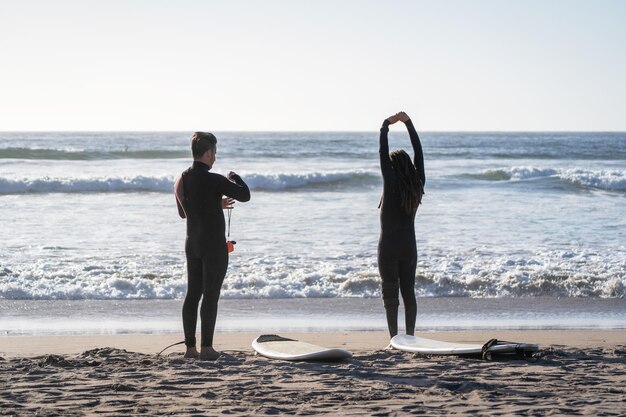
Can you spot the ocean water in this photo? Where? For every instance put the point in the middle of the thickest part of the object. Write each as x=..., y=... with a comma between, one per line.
x=264, y=315
x=91, y=216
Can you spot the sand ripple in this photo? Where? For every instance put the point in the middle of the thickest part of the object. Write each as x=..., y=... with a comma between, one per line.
x=110, y=382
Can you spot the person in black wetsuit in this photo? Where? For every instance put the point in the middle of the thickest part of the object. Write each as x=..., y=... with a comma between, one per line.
x=200, y=197
x=403, y=187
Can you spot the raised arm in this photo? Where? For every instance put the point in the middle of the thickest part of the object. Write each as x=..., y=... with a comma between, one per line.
x=418, y=159
x=235, y=188
x=385, y=161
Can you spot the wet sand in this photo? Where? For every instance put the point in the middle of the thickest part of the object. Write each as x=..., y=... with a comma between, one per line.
x=577, y=372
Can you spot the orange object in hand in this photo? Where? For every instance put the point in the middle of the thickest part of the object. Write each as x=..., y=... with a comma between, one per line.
x=231, y=245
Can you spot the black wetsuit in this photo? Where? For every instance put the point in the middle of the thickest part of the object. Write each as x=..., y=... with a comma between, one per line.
x=205, y=246
x=397, y=251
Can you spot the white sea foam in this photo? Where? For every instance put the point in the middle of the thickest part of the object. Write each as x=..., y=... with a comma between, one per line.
x=605, y=179
x=550, y=273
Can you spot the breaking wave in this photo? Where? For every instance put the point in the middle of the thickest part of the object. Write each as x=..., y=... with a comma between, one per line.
x=608, y=179
x=273, y=182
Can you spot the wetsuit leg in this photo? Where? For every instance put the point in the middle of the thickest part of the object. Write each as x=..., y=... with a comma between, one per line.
x=407, y=289
x=388, y=269
x=214, y=266
x=190, y=306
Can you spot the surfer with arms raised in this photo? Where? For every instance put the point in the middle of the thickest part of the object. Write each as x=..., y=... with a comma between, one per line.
x=200, y=197
x=403, y=187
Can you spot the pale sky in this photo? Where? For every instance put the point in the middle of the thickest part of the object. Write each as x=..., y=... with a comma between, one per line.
x=312, y=65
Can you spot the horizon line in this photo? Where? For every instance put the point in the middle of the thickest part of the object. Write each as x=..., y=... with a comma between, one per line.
x=305, y=131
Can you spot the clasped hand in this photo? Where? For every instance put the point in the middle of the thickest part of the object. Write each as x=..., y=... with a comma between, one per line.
x=398, y=117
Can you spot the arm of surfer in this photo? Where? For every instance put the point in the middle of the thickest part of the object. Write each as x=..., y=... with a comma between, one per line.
x=418, y=159
x=236, y=188
x=179, y=193
x=385, y=162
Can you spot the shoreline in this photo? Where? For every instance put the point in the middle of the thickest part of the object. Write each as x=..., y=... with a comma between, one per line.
x=111, y=317
x=363, y=341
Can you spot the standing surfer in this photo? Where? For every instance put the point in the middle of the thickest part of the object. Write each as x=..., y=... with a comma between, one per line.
x=403, y=187
x=200, y=197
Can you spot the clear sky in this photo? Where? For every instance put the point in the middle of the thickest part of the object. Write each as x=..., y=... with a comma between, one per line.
x=312, y=65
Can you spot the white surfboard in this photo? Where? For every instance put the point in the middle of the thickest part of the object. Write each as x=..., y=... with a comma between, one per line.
x=277, y=347
x=437, y=347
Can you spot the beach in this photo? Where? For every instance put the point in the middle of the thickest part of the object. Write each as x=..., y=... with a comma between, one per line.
x=577, y=372
x=519, y=238
x=468, y=156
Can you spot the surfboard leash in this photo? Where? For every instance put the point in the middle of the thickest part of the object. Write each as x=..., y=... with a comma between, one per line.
x=487, y=354
x=230, y=244
x=228, y=233
x=173, y=344
x=230, y=213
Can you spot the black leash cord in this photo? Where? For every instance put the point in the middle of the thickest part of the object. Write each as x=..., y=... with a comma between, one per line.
x=229, y=214
x=173, y=344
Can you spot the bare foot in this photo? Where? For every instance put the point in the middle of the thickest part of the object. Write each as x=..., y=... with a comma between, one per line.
x=191, y=353
x=207, y=353
x=389, y=347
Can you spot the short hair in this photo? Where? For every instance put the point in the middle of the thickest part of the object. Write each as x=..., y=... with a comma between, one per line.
x=202, y=142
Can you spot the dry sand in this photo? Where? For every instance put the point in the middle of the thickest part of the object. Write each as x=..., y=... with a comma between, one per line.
x=579, y=372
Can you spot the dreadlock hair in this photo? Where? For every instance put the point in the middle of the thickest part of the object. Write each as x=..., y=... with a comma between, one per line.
x=410, y=186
